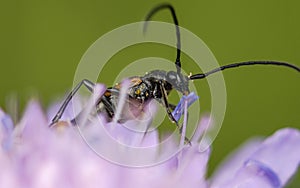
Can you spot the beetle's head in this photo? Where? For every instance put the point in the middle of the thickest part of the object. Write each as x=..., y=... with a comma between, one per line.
x=178, y=82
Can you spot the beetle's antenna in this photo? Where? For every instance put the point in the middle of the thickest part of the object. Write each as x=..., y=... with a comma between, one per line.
x=170, y=7
x=234, y=65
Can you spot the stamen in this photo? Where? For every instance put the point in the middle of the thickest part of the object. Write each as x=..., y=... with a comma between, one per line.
x=122, y=98
x=183, y=130
x=191, y=98
x=98, y=92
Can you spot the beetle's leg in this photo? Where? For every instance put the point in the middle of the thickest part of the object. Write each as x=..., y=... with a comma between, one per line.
x=167, y=107
x=110, y=108
x=107, y=105
x=166, y=104
x=88, y=84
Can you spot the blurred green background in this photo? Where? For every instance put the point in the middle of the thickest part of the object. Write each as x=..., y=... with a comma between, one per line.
x=42, y=43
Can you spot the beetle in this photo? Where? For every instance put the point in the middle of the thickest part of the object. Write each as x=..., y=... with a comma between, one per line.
x=156, y=84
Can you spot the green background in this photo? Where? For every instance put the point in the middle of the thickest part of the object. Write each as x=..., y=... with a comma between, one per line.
x=42, y=43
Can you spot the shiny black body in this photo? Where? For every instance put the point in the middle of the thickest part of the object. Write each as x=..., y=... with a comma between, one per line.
x=156, y=84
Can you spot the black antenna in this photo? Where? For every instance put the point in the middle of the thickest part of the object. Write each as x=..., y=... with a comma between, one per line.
x=170, y=7
x=234, y=65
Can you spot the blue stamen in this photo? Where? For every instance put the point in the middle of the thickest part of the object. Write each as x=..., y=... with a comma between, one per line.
x=191, y=98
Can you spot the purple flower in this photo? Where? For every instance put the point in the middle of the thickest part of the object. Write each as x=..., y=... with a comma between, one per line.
x=34, y=155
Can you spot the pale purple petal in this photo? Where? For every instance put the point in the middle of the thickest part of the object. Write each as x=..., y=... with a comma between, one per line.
x=205, y=124
x=192, y=161
x=253, y=174
x=269, y=164
x=65, y=161
x=6, y=126
x=192, y=164
x=6, y=122
x=125, y=135
x=33, y=119
x=280, y=152
x=234, y=161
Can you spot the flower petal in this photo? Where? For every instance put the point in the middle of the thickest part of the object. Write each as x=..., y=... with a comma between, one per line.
x=254, y=174
x=6, y=129
x=192, y=164
x=234, y=161
x=281, y=152
x=33, y=123
x=271, y=164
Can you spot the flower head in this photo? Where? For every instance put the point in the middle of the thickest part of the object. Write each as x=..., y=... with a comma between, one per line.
x=34, y=155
